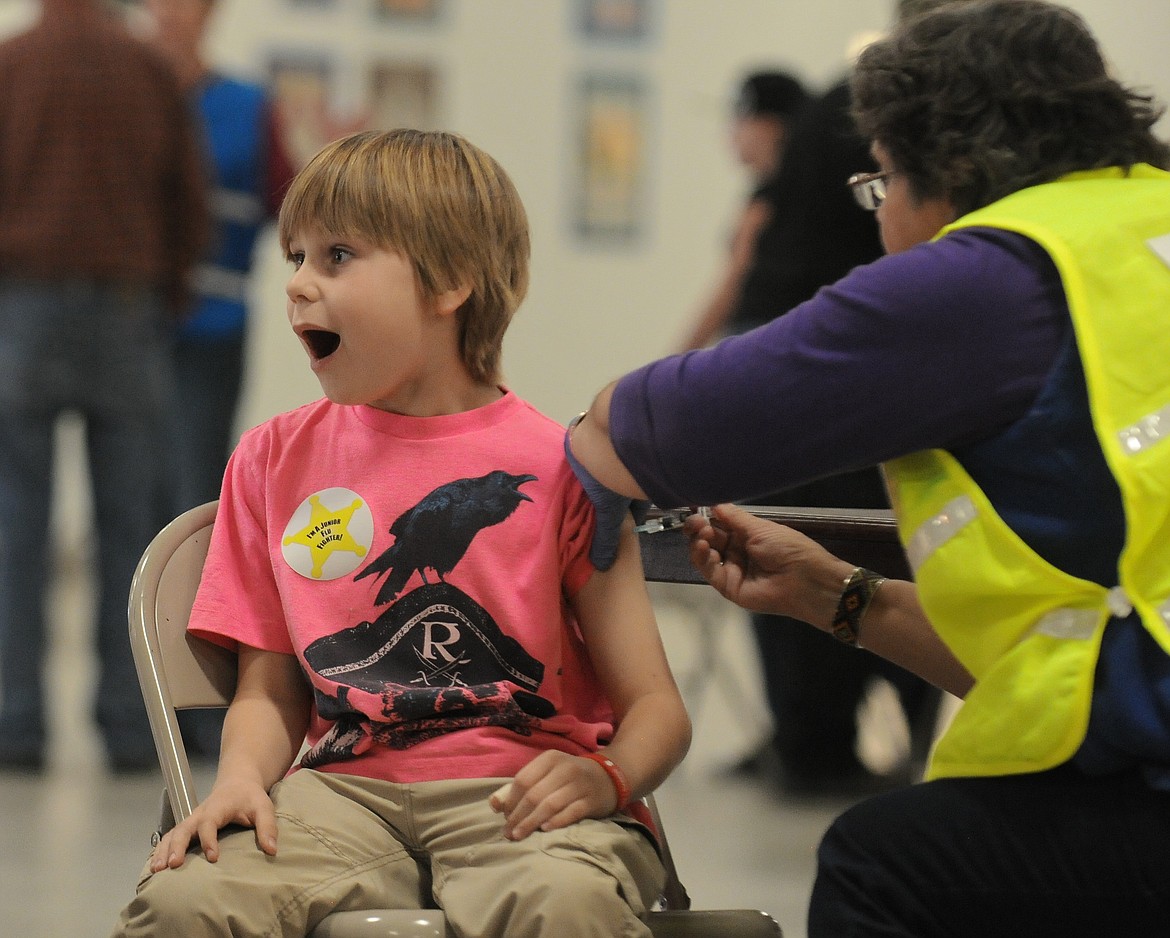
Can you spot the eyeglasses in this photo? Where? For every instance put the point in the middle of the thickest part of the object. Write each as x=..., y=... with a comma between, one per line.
x=869, y=189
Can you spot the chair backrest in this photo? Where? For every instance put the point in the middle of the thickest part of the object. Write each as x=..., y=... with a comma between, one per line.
x=175, y=670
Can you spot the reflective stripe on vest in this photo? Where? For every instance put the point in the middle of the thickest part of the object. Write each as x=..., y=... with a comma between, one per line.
x=1069, y=623
x=933, y=533
x=1079, y=624
x=1146, y=432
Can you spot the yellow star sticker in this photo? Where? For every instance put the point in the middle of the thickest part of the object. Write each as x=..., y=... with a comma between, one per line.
x=326, y=532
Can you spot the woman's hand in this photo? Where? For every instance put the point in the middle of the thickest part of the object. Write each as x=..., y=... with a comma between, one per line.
x=606, y=481
x=766, y=567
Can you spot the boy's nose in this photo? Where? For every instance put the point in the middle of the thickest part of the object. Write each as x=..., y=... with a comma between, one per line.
x=300, y=285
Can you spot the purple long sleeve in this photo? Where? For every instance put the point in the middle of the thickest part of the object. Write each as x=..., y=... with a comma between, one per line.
x=939, y=346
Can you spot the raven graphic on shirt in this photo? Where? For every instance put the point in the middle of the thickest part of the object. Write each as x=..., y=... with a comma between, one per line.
x=435, y=660
x=436, y=532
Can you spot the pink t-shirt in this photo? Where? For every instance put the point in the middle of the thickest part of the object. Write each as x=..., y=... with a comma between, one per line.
x=419, y=568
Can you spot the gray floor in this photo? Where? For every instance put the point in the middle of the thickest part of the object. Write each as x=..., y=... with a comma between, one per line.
x=73, y=840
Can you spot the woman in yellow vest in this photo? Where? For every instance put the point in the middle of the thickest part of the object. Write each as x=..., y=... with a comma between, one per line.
x=1009, y=363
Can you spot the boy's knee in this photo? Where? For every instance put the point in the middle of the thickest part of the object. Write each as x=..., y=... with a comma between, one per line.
x=582, y=893
x=166, y=904
x=567, y=897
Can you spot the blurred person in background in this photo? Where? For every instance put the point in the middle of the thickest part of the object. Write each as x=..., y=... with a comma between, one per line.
x=766, y=107
x=102, y=217
x=814, y=234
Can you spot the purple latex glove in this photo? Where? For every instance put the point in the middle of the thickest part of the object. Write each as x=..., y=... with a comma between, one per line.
x=609, y=508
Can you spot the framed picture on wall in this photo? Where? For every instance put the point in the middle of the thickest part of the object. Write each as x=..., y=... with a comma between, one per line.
x=625, y=20
x=404, y=94
x=610, y=157
x=419, y=10
x=302, y=84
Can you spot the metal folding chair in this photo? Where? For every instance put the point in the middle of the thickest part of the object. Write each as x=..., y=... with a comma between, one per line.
x=177, y=671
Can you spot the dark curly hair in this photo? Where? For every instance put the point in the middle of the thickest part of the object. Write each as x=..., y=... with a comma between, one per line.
x=977, y=100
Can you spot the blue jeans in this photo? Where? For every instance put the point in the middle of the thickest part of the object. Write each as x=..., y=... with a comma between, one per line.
x=208, y=376
x=98, y=350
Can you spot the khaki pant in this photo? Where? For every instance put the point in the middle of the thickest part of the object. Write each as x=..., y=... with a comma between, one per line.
x=346, y=843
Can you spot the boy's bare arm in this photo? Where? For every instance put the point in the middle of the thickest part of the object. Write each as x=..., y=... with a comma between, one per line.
x=621, y=633
x=262, y=734
x=265, y=725
x=653, y=730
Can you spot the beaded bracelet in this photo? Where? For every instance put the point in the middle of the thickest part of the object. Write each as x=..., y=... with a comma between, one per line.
x=613, y=770
x=860, y=586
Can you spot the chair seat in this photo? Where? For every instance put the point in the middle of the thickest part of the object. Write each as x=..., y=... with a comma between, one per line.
x=430, y=923
x=383, y=923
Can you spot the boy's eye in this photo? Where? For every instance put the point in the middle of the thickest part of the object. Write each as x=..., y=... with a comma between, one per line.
x=338, y=255
x=296, y=258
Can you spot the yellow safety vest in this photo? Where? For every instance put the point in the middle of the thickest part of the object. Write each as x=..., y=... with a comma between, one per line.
x=1029, y=633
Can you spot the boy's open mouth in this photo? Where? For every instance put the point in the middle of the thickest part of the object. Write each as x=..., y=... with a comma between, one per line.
x=321, y=342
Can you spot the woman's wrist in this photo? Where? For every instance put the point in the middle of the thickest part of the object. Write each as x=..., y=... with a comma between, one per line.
x=820, y=595
x=858, y=591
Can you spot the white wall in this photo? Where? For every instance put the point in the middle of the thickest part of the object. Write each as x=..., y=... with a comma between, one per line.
x=507, y=69
x=510, y=65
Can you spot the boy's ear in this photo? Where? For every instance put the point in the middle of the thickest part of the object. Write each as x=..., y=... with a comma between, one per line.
x=448, y=301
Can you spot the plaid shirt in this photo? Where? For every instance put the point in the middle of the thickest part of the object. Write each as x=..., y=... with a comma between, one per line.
x=101, y=175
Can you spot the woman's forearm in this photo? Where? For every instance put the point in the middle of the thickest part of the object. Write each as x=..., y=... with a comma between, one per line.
x=896, y=628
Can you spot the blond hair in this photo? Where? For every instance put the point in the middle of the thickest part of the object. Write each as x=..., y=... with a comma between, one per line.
x=440, y=201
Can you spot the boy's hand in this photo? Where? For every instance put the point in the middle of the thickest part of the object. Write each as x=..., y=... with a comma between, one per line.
x=243, y=803
x=554, y=790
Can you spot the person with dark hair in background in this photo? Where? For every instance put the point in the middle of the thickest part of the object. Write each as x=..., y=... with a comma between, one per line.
x=102, y=216
x=250, y=169
x=1006, y=362
x=815, y=233
x=766, y=108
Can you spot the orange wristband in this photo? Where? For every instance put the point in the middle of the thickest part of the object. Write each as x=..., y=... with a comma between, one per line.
x=620, y=785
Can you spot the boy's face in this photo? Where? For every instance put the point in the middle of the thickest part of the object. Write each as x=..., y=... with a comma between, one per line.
x=371, y=336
